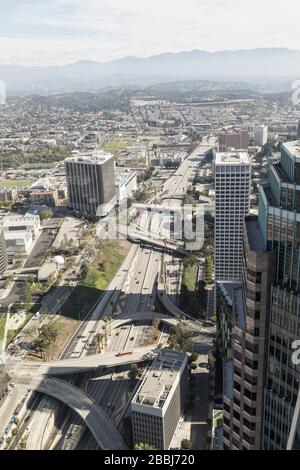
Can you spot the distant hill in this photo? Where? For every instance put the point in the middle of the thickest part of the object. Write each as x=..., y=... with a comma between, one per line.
x=84, y=75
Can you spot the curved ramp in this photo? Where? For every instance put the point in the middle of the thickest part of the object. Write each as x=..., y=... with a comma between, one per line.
x=92, y=414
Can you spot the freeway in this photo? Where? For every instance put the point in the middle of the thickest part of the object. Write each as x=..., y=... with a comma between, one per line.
x=85, y=407
x=42, y=420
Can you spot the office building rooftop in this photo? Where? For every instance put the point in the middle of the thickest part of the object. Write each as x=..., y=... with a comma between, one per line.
x=293, y=148
x=161, y=379
x=232, y=158
x=98, y=157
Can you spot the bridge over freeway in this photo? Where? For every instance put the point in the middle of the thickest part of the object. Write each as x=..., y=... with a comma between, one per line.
x=110, y=359
x=89, y=411
x=77, y=365
x=166, y=245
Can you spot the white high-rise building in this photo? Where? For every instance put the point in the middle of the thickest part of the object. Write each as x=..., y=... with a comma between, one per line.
x=232, y=188
x=261, y=135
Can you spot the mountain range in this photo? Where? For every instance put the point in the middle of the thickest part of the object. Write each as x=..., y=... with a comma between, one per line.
x=248, y=65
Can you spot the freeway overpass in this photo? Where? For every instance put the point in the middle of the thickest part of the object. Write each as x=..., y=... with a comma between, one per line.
x=18, y=370
x=150, y=238
x=110, y=359
x=92, y=414
x=193, y=325
x=166, y=245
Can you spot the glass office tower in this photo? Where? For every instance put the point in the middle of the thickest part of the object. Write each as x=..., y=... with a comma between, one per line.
x=279, y=220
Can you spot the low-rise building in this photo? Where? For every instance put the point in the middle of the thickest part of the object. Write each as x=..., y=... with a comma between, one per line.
x=8, y=195
x=28, y=223
x=44, y=197
x=19, y=233
x=18, y=242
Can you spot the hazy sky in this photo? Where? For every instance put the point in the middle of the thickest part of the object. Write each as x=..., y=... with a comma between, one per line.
x=40, y=32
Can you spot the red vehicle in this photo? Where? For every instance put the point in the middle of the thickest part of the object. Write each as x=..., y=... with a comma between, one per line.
x=126, y=353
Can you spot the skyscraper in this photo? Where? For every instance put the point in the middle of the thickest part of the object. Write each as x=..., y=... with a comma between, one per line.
x=279, y=220
x=261, y=382
x=242, y=336
x=232, y=188
x=91, y=182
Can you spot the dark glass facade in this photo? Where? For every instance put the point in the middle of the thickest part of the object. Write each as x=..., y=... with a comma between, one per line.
x=280, y=222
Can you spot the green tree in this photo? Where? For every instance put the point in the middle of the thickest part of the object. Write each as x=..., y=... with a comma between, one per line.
x=142, y=446
x=186, y=444
x=46, y=214
x=180, y=338
x=134, y=372
x=47, y=336
x=194, y=357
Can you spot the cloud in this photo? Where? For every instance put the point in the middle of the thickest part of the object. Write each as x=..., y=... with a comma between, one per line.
x=107, y=29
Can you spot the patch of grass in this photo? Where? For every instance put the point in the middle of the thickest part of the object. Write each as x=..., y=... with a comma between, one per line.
x=65, y=328
x=10, y=184
x=34, y=308
x=98, y=277
x=106, y=266
x=38, y=166
x=190, y=278
x=193, y=295
x=2, y=326
x=118, y=145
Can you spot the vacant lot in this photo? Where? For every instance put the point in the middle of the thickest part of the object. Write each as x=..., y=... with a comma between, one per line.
x=10, y=184
x=117, y=145
x=65, y=327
